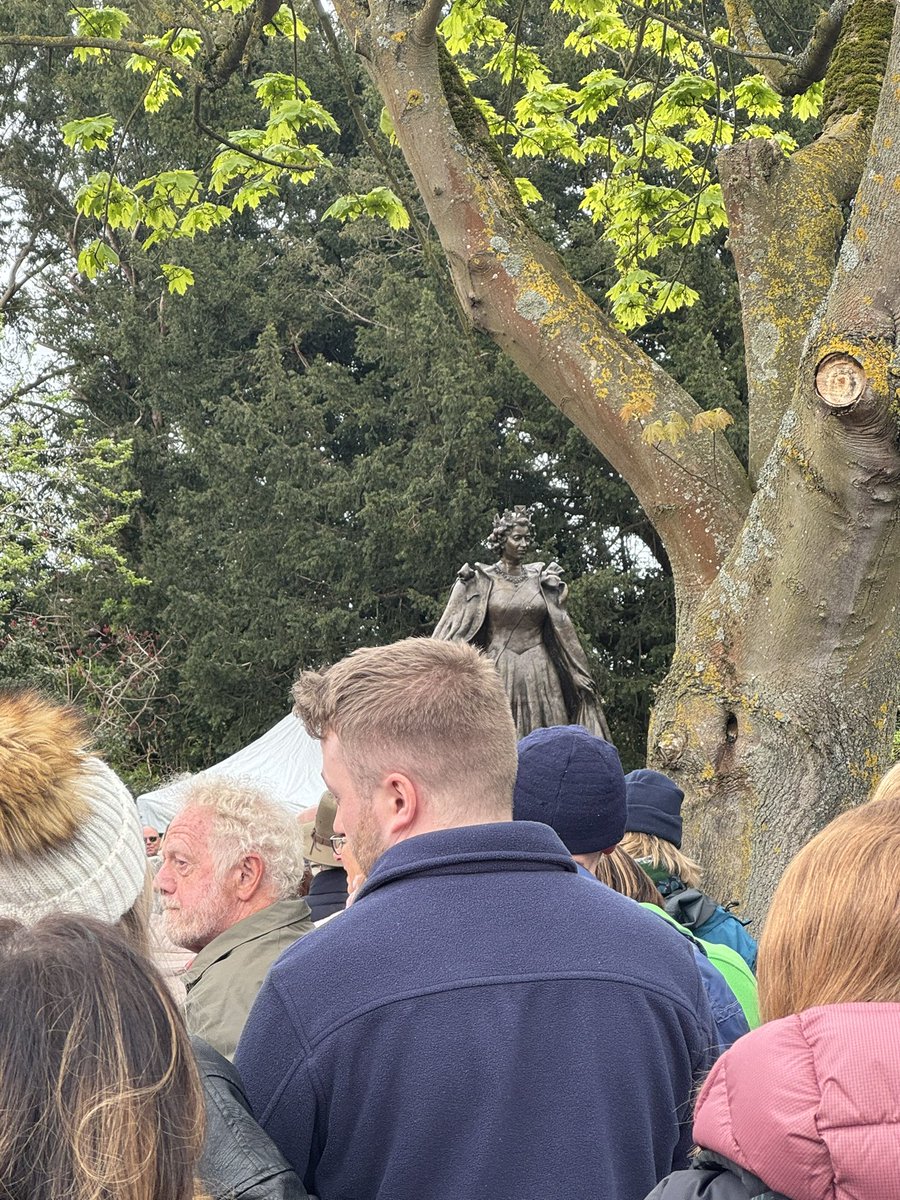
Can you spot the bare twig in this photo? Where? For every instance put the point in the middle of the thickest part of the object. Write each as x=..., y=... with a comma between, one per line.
x=41, y=41
x=23, y=389
x=695, y=36
x=351, y=312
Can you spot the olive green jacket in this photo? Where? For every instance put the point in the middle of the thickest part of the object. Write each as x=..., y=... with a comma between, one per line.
x=224, y=978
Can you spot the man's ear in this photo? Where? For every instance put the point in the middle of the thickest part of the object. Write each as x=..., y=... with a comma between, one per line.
x=250, y=871
x=399, y=804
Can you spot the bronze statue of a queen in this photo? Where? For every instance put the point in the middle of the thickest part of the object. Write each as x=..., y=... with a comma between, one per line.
x=516, y=613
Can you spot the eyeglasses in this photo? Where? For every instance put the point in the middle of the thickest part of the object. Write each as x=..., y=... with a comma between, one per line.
x=148, y=841
x=338, y=842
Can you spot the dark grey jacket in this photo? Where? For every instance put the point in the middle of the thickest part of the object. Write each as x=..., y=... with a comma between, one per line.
x=239, y=1160
x=713, y=1177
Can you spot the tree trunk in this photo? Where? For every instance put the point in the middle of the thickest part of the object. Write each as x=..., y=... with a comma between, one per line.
x=781, y=704
x=781, y=701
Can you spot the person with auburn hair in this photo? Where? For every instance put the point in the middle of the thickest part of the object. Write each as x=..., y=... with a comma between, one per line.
x=463, y=1029
x=98, y=1087
x=807, y=1107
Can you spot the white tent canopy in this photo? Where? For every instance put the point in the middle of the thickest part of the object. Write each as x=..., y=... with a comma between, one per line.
x=285, y=760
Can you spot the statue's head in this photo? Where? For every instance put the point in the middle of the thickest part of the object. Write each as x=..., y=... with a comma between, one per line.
x=506, y=522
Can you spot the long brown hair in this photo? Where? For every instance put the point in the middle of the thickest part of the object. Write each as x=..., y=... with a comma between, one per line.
x=99, y=1094
x=832, y=935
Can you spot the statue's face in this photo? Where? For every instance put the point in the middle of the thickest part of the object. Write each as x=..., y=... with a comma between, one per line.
x=517, y=542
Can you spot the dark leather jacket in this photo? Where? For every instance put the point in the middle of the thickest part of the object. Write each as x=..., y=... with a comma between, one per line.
x=239, y=1160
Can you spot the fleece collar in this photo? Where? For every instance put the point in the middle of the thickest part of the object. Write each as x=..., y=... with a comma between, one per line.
x=471, y=849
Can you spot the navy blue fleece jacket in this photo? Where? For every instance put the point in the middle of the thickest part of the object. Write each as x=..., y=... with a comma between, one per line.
x=481, y=1023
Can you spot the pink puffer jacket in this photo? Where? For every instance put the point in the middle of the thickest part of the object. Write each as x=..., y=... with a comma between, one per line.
x=811, y=1104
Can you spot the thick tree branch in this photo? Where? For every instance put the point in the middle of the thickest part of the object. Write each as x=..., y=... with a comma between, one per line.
x=810, y=66
x=230, y=56
x=513, y=287
x=785, y=219
x=788, y=74
x=428, y=20
x=786, y=216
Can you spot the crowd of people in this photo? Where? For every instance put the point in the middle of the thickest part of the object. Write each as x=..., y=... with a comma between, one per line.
x=483, y=967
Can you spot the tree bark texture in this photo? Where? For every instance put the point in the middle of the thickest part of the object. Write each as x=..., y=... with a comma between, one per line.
x=781, y=701
x=785, y=221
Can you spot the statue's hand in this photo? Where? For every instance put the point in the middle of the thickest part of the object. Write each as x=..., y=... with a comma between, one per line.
x=465, y=573
x=551, y=575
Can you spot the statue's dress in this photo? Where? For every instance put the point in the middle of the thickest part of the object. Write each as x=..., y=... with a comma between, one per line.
x=514, y=639
x=522, y=624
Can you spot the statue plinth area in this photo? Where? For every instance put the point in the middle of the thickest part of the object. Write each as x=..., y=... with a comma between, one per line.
x=516, y=613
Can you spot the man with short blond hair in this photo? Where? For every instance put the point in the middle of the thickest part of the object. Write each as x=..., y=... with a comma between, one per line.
x=481, y=1021
x=232, y=862
x=440, y=715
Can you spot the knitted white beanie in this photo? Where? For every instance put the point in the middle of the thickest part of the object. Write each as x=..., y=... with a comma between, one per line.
x=70, y=840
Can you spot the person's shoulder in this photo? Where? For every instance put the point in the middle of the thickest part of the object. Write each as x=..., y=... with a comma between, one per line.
x=651, y=949
x=710, y=1183
x=328, y=973
x=334, y=939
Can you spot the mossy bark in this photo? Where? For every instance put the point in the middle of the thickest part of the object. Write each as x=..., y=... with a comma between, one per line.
x=785, y=221
x=786, y=216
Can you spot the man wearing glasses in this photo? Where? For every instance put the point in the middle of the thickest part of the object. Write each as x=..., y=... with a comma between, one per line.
x=151, y=841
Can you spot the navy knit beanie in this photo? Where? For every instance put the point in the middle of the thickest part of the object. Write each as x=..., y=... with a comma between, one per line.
x=572, y=781
x=654, y=805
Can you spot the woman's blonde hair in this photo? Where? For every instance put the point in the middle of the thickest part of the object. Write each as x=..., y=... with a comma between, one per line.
x=620, y=872
x=99, y=1091
x=663, y=854
x=832, y=935
x=889, y=786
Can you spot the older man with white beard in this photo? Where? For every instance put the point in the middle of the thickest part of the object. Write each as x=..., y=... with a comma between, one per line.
x=232, y=864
